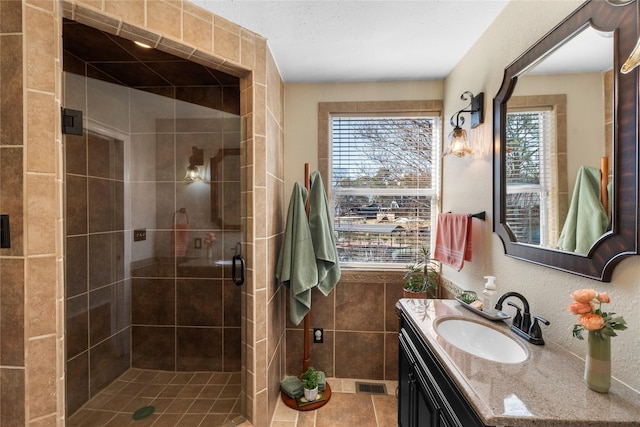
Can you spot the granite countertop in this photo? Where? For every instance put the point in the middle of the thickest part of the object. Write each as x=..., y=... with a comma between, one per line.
x=546, y=389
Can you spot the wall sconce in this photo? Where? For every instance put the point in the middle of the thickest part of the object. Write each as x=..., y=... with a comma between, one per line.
x=458, y=144
x=195, y=160
x=632, y=61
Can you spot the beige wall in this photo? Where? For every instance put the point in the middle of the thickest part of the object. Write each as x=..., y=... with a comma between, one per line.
x=467, y=184
x=301, y=114
x=520, y=25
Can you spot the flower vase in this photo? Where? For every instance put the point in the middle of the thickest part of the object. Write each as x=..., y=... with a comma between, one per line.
x=597, y=369
x=210, y=252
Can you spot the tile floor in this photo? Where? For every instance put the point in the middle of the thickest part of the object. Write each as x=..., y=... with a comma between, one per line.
x=345, y=409
x=211, y=399
x=186, y=399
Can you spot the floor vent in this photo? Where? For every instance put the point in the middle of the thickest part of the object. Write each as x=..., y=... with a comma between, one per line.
x=368, y=388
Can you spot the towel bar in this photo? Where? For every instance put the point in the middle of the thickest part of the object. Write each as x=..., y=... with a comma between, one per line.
x=479, y=215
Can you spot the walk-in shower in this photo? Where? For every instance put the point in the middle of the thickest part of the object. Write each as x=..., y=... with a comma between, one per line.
x=153, y=195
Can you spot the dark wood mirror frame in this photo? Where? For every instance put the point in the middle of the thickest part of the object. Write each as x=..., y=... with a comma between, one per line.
x=623, y=238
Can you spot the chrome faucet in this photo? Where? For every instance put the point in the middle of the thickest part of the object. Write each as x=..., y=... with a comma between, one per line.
x=521, y=323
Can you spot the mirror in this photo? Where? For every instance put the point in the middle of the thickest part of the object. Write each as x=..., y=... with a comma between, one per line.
x=565, y=145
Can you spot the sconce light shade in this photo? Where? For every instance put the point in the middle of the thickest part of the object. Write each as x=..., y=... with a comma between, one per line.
x=195, y=161
x=457, y=143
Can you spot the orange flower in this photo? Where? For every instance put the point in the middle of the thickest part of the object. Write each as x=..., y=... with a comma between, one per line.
x=584, y=295
x=587, y=304
x=579, y=307
x=591, y=322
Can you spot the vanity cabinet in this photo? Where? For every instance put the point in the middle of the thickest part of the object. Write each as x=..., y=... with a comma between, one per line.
x=427, y=397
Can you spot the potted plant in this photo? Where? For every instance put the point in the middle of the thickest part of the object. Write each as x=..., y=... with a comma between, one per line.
x=310, y=383
x=422, y=278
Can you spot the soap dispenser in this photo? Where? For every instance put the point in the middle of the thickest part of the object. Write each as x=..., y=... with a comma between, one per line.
x=489, y=295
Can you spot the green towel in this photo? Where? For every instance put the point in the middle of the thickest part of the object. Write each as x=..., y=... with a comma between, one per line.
x=586, y=220
x=324, y=239
x=292, y=387
x=296, y=267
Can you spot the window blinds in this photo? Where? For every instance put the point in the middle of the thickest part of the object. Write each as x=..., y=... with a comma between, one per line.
x=531, y=175
x=384, y=181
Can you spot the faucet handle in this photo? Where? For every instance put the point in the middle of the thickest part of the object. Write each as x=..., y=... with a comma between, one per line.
x=543, y=320
x=534, y=330
x=517, y=318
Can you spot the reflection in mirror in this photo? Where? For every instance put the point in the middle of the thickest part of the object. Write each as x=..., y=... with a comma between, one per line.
x=558, y=127
x=566, y=138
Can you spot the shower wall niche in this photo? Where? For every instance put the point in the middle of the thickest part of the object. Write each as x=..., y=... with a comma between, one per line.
x=145, y=286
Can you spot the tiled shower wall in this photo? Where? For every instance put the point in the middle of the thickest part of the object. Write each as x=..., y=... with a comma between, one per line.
x=12, y=261
x=32, y=384
x=179, y=312
x=97, y=291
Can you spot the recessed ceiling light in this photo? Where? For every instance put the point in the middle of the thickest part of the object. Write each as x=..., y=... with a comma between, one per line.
x=144, y=45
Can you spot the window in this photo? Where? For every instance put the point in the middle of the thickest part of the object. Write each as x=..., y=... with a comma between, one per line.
x=384, y=180
x=532, y=169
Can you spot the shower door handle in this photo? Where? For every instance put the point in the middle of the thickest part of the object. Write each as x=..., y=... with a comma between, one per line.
x=234, y=270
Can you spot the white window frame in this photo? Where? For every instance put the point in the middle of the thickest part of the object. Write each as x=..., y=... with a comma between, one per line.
x=553, y=184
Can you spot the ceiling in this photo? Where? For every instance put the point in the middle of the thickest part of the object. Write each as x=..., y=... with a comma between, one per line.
x=358, y=40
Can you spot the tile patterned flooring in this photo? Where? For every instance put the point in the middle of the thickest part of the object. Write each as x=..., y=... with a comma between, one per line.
x=211, y=399
x=345, y=409
x=186, y=399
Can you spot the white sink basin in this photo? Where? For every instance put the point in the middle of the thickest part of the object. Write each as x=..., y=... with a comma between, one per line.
x=480, y=340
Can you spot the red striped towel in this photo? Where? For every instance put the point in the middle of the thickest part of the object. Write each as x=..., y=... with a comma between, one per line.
x=453, y=240
x=179, y=239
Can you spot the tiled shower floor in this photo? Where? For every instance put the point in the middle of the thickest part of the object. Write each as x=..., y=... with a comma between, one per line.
x=212, y=399
x=186, y=399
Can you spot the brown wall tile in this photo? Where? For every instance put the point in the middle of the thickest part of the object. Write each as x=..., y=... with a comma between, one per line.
x=76, y=266
x=128, y=10
x=360, y=306
x=41, y=295
x=199, y=302
x=11, y=102
x=10, y=17
x=41, y=47
x=77, y=326
x=42, y=213
x=153, y=347
x=102, y=314
x=41, y=130
x=108, y=360
x=232, y=350
x=164, y=17
x=197, y=32
x=359, y=355
x=199, y=349
x=12, y=312
x=11, y=196
x=226, y=43
x=40, y=372
x=12, y=384
x=77, y=382
x=76, y=208
x=102, y=252
x=391, y=356
x=153, y=302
